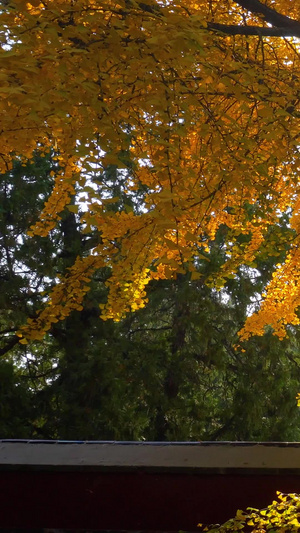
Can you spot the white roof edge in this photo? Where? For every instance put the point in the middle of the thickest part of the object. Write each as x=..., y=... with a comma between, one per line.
x=221, y=456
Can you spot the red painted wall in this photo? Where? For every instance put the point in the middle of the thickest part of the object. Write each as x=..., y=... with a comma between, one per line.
x=132, y=500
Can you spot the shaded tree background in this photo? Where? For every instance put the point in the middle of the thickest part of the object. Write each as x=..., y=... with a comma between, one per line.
x=167, y=372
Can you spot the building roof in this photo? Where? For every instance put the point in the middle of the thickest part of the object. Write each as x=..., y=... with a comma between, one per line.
x=159, y=486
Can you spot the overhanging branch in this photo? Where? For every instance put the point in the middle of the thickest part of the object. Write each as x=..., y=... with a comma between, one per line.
x=270, y=15
x=255, y=30
x=9, y=345
x=282, y=26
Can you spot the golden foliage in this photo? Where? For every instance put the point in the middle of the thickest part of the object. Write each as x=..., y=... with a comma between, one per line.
x=281, y=516
x=211, y=122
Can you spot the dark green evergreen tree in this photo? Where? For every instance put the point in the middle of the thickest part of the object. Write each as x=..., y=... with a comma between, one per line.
x=167, y=372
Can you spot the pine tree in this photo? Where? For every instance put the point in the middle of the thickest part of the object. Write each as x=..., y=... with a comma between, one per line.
x=170, y=371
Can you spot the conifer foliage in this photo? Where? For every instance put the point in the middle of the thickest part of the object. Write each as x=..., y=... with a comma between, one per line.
x=168, y=371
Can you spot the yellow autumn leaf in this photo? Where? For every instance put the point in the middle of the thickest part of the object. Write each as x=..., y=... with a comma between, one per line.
x=201, y=111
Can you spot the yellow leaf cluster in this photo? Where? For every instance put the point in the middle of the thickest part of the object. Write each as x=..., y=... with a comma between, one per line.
x=62, y=192
x=280, y=516
x=67, y=296
x=210, y=122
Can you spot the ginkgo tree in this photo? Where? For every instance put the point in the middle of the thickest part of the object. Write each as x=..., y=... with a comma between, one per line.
x=199, y=99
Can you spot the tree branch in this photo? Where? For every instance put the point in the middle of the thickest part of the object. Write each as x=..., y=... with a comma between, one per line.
x=284, y=26
x=9, y=345
x=270, y=15
x=255, y=30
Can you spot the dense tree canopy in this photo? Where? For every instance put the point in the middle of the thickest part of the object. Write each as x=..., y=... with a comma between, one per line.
x=166, y=372
x=199, y=100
